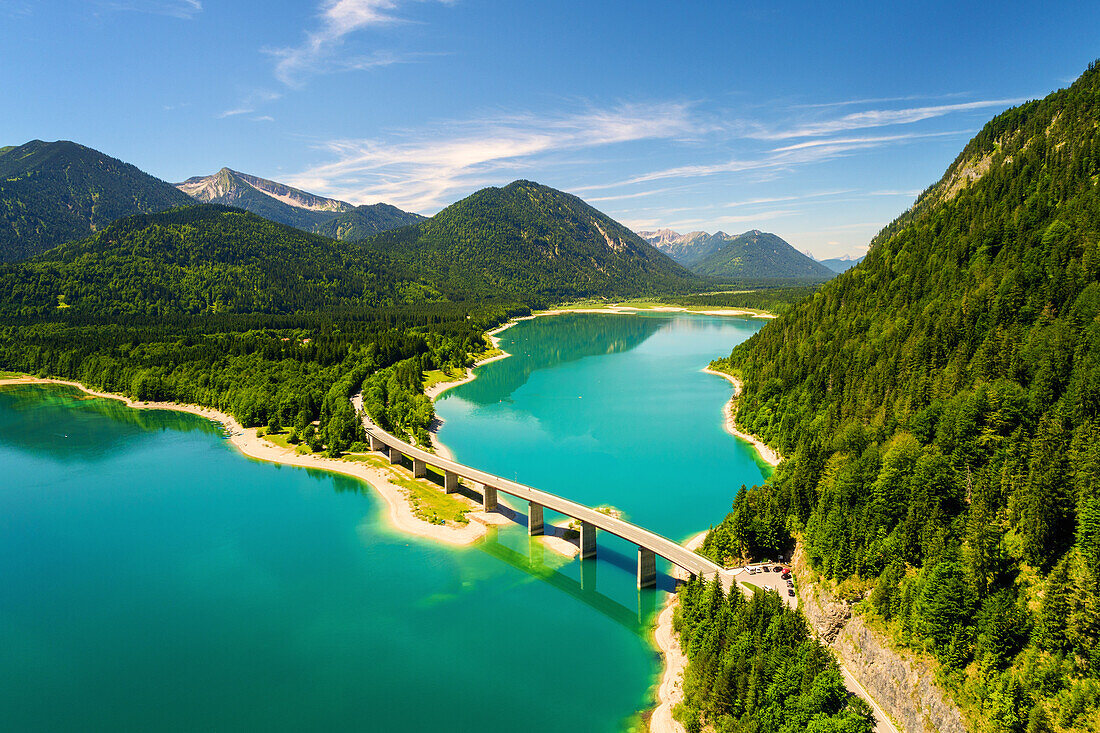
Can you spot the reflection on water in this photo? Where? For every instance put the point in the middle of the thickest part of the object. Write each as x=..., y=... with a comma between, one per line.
x=559, y=340
x=64, y=422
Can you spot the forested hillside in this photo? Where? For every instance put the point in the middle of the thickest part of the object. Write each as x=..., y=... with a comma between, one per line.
x=363, y=221
x=939, y=405
x=531, y=241
x=54, y=192
x=755, y=667
x=756, y=254
x=200, y=260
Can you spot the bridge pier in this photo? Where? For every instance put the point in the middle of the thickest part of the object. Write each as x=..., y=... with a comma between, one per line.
x=534, y=519
x=647, y=568
x=376, y=444
x=420, y=468
x=450, y=482
x=588, y=540
x=395, y=456
x=488, y=497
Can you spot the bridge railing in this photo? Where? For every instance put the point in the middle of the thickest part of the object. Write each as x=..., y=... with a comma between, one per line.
x=649, y=543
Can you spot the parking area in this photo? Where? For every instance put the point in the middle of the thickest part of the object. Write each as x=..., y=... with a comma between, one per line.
x=764, y=576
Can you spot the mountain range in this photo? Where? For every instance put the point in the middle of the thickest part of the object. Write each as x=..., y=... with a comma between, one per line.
x=285, y=204
x=840, y=264
x=51, y=193
x=753, y=255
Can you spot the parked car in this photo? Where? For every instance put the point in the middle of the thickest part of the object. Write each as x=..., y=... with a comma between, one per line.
x=790, y=591
x=790, y=583
x=785, y=576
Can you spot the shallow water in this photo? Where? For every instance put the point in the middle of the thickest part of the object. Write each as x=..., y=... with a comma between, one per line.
x=154, y=579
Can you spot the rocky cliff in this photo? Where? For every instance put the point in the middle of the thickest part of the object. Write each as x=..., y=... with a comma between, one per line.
x=902, y=685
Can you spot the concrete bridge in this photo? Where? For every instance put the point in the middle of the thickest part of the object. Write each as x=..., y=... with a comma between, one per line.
x=649, y=543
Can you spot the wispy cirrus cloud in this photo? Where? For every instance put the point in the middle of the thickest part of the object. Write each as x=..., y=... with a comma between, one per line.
x=877, y=118
x=250, y=103
x=425, y=169
x=337, y=20
x=183, y=9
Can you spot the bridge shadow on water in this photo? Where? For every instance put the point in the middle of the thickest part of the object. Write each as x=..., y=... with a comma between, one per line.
x=638, y=619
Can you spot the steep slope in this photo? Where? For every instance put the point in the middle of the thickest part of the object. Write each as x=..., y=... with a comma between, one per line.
x=197, y=260
x=753, y=255
x=530, y=240
x=54, y=192
x=687, y=249
x=287, y=205
x=840, y=264
x=940, y=405
x=271, y=200
x=756, y=254
x=363, y=221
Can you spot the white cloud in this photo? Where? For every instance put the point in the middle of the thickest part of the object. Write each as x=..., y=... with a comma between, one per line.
x=878, y=118
x=183, y=9
x=427, y=168
x=250, y=102
x=337, y=20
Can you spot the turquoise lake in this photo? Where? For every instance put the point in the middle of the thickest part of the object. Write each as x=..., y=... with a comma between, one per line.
x=154, y=579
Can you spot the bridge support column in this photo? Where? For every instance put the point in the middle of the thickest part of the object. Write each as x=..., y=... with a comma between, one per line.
x=488, y=497
x=534, y=519
x=647, y=568
x=420, y=468
x=588, y=540
x=376, y=444
x=395, y=456
x=450, y=482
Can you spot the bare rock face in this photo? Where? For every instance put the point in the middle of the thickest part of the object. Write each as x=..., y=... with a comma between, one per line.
x=904, y=686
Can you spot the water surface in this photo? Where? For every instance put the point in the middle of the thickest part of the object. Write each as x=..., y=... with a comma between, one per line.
x=154, y=579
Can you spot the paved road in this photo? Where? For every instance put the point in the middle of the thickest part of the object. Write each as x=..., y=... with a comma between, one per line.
x=672, y=551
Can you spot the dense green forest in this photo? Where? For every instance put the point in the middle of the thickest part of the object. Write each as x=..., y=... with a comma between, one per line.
x=756, y=254
x=363, y=221
x=198, y=260
x=939, y=406
x=754, y=668
x=529, y=241
x=54, y=192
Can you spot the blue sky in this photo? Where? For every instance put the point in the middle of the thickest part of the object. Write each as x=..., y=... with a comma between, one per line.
x=818, y=123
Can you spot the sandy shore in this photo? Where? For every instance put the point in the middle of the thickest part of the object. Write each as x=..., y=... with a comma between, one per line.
x=247, y=442
x=670, y=691
x=767, y=453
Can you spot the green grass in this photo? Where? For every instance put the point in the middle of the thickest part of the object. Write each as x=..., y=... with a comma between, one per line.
x=752, y=586
x=427, y=500
x=11, y=375
x=438, y=376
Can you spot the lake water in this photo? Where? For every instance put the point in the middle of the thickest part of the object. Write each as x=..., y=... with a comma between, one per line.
x=154, y=579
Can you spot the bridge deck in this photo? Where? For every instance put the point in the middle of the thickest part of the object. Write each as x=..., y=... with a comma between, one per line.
x=672, y=551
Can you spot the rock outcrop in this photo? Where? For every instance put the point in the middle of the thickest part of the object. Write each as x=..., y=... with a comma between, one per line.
x=902, y=685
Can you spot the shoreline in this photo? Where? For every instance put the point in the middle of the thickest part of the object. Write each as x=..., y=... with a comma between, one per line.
x=246, y=442
x=766, y=452
x=670, y=690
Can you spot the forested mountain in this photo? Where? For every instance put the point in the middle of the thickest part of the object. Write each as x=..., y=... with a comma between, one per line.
x=287, y=205
x=840, y=264
x=363, y=221
x=55, y=192
x=939, y=405
x=753, y=255
x=198, y=260
x=532, y=241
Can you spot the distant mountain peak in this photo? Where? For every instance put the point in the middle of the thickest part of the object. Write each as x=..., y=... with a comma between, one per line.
x=751, y=255
x=227, y=184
